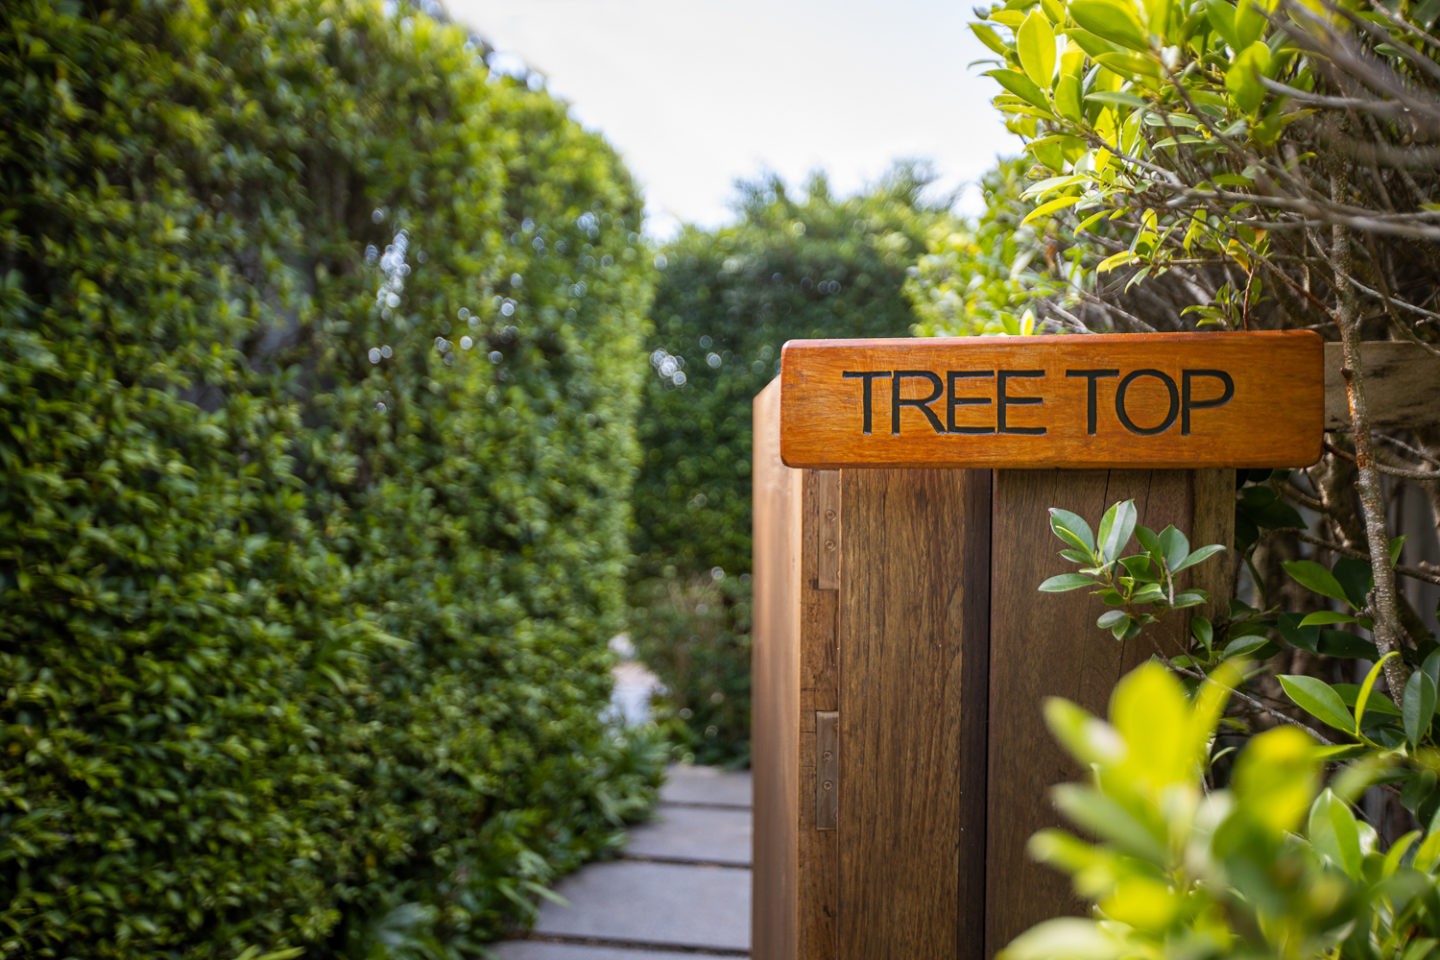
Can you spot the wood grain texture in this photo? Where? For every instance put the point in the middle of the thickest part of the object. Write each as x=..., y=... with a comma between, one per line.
x=1044, y=645
x=1213, y=521
x=775, y=722
x=819, y=851
x=1402, y=386
x=913, y=647
x=1028, y=402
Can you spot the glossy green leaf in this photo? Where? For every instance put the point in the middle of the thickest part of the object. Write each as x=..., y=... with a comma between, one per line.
x=1116, y=526
x=1067, y=581
x=1202, y=630
x=1174, y=547
x=1073, y=529
x=1110, y=618
x=1198, y=556
x=1334, y=832
x=1190, y=598
x=1418, y=706
x=1244, y=647
x=1326, y=617
x=1316, y=698
x=1149, y=593
x=1313, y=576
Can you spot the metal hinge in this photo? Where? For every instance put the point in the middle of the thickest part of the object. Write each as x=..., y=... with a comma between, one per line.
x=827, y=769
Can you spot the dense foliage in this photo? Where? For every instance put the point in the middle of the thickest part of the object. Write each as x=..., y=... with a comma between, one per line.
x=1260, y=165
x=727, y=300
x=318, y=349
x=982, y=277
x=1250, y=165
x=1270, y=866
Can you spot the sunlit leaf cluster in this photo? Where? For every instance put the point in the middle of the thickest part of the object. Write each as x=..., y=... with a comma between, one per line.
x=1205, y=136
x=1141, y=587
x=1273, y=865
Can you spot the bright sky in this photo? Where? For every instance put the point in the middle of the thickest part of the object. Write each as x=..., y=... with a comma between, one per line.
x=696, y=93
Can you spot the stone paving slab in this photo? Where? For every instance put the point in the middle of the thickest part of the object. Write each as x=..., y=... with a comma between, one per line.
x=709, y=785
x=705, y=834
x=539, y=950
x=667, y=904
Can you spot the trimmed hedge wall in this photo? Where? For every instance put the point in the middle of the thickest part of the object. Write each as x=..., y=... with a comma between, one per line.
x=319, y=375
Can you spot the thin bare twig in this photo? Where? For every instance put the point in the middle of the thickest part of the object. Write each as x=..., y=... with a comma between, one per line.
x=1387, y=619
x=1414, y=573
x=1261, y=706
x=1386, y=468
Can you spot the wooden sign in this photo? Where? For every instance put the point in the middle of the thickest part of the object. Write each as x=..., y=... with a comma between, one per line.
x=1110, y=400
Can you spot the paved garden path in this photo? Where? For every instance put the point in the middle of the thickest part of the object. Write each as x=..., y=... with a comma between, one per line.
x=680, y=890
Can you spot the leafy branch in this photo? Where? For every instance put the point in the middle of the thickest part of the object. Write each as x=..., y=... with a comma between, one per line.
x=1141, y=586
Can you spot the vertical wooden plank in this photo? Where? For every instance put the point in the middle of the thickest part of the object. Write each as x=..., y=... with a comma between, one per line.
x=1044, y=645
x=775, y=721
x=913, y=646
x=819, y=856
x=1214, y=522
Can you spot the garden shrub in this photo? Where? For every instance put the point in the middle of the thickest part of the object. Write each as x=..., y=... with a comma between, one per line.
x=696, y=635
x=318, y=346
x=725, y=303
x=1270, y=866
x=1246, y=166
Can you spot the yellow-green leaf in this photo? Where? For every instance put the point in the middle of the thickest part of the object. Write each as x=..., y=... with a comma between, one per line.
x=1035, y=43
x=990, y=38
x=1151, y=713
x=1049, y=207
x=1067, y=98
x=1242, y=80
x=1022, y=86
x=1364, y=695
x=1275, y=778
x=1115, y=22
x=1115, y=260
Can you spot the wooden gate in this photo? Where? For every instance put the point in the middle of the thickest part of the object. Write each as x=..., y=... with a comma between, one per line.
x=901, y=654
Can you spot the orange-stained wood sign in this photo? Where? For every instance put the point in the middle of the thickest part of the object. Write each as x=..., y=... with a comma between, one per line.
x=1148, y=400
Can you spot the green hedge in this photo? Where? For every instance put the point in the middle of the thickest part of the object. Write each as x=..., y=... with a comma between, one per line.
x=318, y=393
x=821, y=266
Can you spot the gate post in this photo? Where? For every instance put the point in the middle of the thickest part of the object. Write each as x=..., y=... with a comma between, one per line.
x=901, y=758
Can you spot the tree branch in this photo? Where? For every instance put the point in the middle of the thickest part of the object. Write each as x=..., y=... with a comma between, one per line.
x=1387, y=619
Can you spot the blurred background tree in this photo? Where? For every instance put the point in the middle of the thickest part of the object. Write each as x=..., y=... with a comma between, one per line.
x=725, y=303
